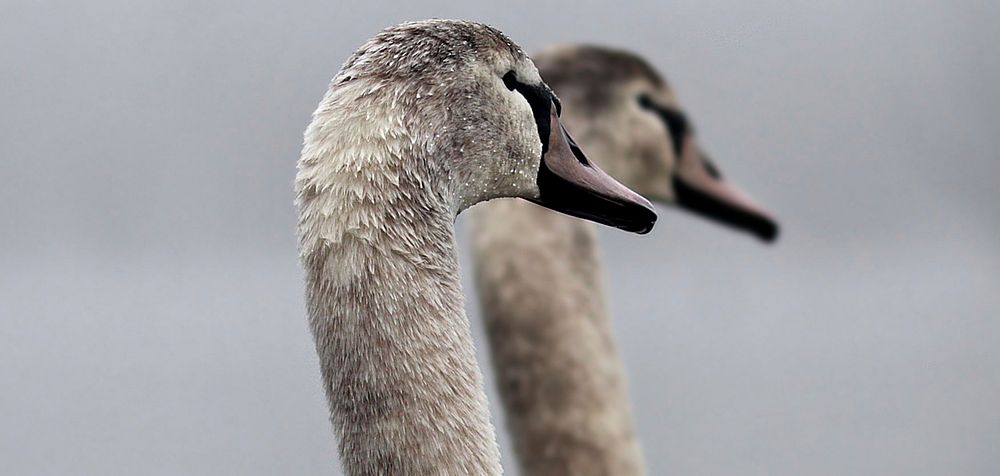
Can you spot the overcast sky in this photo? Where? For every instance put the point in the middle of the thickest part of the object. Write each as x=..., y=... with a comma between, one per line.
x=151, y=311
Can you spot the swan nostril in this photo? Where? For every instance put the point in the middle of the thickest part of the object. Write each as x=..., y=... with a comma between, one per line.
x=580, y=157
x=712, y=170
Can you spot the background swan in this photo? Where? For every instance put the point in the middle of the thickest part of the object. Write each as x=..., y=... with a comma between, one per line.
x=423, y=121
x=538, y=274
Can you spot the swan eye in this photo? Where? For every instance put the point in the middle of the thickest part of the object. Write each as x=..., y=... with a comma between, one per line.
x=540, y=98
x=676, y=122
x=645, y=102
x=509, y=80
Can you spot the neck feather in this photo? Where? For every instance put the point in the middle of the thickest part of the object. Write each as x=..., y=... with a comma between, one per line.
x=386, y=309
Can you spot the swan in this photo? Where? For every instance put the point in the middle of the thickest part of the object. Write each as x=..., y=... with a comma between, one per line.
x=559, y=374
x=424, y=120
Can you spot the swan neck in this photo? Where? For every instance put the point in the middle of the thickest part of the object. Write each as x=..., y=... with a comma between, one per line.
x=559, y=375
x=396, y=353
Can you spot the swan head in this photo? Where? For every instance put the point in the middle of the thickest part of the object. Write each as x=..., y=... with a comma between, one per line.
x=629, y=119
x=458, y=108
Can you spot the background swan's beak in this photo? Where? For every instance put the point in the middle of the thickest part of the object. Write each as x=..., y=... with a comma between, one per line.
x=700, y=188
x=571, y=184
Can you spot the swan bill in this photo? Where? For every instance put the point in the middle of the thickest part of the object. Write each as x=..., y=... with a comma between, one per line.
x=699, y=188
x=570, y=183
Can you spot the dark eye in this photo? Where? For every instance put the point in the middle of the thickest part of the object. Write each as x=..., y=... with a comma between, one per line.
x=540, y=98
x=676, y=122
x=645, y=102
x=509, y=80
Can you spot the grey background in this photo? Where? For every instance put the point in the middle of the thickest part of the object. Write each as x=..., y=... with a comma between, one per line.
x=151, y=314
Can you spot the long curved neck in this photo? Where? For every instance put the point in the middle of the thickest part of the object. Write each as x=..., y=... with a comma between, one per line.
x=386, y=310
x=560, y=377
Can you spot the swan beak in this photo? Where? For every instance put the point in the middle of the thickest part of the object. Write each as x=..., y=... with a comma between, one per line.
x=570, y=183
x=700, y=188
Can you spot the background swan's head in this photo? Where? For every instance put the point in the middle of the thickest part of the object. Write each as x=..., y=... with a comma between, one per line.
x=627, y=117
x=458, y=108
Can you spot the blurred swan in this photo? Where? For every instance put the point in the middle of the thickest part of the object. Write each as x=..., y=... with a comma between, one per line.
x=423, y=121
x=538, y=274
